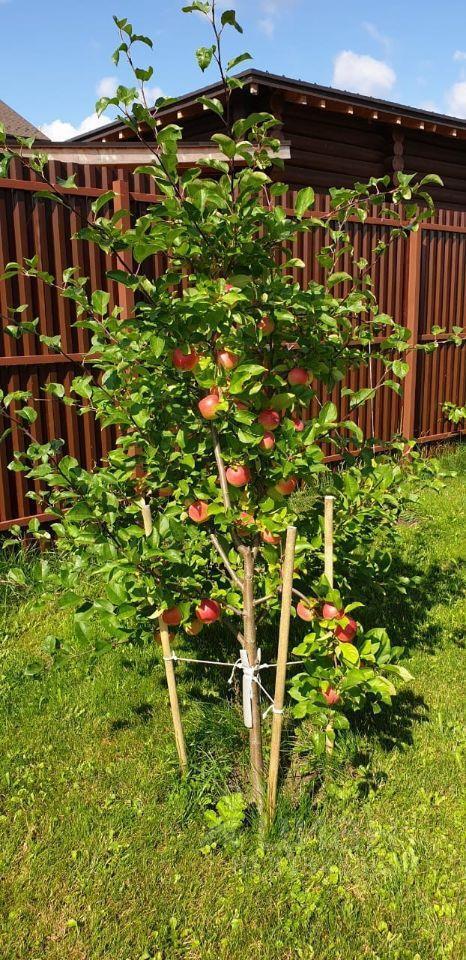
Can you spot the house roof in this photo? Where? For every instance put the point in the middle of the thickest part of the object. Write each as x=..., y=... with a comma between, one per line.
x=16, y=125
x=312, y=95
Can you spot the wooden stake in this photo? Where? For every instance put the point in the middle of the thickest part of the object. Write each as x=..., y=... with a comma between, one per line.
x=328, y=539
x=328, y=570
x=172, y=692
x=146, y=517
x=280, y=677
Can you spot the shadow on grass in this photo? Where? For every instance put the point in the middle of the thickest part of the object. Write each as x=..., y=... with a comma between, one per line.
x=407, y=616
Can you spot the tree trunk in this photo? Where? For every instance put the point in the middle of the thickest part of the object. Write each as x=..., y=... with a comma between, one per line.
x=250, y=645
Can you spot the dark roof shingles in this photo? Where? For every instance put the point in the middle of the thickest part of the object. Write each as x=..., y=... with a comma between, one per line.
x=16, y=125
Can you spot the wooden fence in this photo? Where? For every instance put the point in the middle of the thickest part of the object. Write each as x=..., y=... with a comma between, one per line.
x=420, y=282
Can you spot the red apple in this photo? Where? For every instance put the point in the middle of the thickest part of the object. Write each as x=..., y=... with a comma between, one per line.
x=304, y=611
x=208, y=611
x=268, y=441
x=184, y=361
x=269, y=419
x=266, y=324
x=193, y=628
x=228, y=287
x=330, y=612
x=240, y=405
x=347, y=634
x=208, y=406
x=199, y=511
x=238, y=476
x=298, y=377
x=227, y=359
x=331, y=695
x=172, y=617
x=285, y=487
x=273, y=538
x=298, y=423
x=246, y=519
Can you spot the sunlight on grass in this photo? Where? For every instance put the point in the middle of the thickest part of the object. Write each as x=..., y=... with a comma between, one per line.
x=106, y=856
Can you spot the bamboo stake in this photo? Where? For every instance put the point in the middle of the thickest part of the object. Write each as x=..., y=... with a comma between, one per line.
x=328, y=569
x=146, y=516
x=167, y=659
x=172, y=692
x=280, y=677
x=328, y=539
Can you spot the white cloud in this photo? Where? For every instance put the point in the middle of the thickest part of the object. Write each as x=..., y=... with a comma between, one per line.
x=271, y=10
x=362, y=74
x=376, y=34
x=106, y=87
x=63, y=130
x=456, y=100
x=459, y=55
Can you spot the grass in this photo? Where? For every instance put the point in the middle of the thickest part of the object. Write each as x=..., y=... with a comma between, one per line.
x=105, y=856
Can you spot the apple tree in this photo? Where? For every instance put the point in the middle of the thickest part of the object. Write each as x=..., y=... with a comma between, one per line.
x=208, y=384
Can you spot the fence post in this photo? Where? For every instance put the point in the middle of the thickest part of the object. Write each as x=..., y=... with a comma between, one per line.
x=122, y=202
x=413, y=306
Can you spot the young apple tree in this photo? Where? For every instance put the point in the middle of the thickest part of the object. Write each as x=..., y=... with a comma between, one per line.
x=208, y=382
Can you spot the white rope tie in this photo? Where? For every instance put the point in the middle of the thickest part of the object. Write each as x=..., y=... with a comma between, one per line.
x=249, y=673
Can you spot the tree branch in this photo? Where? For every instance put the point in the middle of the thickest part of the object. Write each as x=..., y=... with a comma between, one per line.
x=234, y=576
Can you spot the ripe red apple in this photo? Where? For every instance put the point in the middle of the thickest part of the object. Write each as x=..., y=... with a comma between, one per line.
x=331, y=695
x=208, y=611
x=193, y=628
x=199, y=511
x=246, y=519
x=208, y=406
x=269, y=419
x=347, y=634
x=298, y=423
x=298, y=377
x=227, y=359
x=330, y=612
x=272, y=538
x=266, y=324
x=184, y=361
x=238, y=476
x=285, y=487
x=268, y=441
x=172, y=617
x=228, y=287
x=304, y=611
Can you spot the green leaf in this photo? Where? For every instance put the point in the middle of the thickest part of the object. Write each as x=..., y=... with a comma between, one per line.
x=304, y=200
x=229, y=17
x=100, y=300
x=212, y=104
x=204, y=56
x=237, y=60
x=335, y=278
x=102, y=200
x=400, y=368
x=349, y=653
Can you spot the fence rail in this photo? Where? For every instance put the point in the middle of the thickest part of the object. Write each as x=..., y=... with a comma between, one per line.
x=420, y=282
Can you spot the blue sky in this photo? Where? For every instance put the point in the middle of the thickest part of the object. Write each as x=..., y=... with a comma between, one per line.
x=56, y=56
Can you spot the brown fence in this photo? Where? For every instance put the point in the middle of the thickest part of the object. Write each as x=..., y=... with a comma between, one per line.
x=421, y=282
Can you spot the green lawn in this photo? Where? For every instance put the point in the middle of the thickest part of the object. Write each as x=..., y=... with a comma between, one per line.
x=104, y=856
